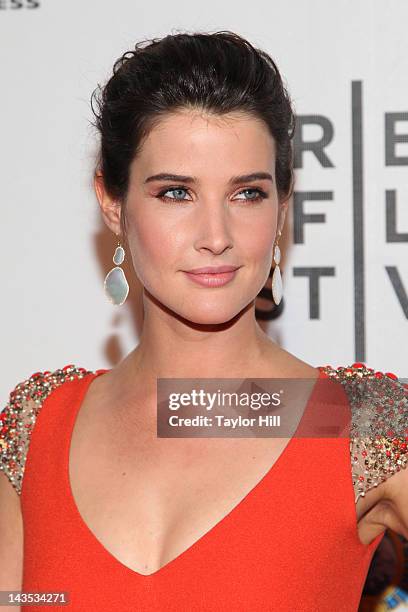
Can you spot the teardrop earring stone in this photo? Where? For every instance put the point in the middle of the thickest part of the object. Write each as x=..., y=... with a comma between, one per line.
x=119, y=255
x=277, y=255
x=277, y=288
x=116, y=286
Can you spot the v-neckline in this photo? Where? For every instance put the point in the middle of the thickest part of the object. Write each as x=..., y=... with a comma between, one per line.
x=213, y=531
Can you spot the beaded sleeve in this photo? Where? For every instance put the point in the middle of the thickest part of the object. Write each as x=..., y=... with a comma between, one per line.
x=18, y=418
x=379, y=423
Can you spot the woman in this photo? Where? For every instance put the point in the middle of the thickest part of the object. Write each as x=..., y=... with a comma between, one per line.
x=195, y=171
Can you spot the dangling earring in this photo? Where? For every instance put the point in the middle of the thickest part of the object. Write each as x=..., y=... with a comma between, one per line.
x=115, y=284
x=277, y=288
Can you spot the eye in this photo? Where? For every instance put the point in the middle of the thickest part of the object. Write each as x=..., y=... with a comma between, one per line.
x=176, y=199
x=261, y=194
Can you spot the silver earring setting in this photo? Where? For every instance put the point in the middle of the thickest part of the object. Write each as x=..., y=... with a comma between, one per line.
x=115, y=284
x=277, y=288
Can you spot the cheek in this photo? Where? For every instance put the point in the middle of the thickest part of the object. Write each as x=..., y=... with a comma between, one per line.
x=153, y=244
x=257, y=241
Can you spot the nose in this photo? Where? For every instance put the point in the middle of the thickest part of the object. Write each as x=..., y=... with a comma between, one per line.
x=213, y=228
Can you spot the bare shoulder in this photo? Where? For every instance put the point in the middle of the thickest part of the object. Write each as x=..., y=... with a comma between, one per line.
x=287, y=365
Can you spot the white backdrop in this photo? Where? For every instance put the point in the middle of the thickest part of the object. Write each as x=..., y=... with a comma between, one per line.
x=56, y=249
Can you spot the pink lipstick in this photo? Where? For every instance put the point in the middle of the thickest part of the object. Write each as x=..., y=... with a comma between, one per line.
x=212, y=276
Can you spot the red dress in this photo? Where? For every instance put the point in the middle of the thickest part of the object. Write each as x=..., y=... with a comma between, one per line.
x=290, y=544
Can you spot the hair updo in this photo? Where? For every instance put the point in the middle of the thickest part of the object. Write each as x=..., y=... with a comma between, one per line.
x=216, y=72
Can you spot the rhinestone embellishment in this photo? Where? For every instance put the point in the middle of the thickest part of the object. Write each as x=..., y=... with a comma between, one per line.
x=379, y=423
x=18, y=418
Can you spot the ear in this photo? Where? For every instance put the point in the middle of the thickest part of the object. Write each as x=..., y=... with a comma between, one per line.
x=110, y=208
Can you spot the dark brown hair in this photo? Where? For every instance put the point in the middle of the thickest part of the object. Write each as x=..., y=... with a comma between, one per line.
x=216, y=72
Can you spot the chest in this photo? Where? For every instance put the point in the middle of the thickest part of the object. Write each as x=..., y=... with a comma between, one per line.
x=148, y=499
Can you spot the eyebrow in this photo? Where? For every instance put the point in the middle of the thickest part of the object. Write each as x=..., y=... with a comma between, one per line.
x=243, y=178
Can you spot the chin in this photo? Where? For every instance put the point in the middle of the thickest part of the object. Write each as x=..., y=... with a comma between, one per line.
x=217, y=315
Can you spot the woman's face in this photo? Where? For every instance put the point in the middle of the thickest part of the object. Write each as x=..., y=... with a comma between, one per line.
x=210, y=219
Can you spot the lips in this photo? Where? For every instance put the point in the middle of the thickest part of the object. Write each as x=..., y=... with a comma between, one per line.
x=212, y=276
x=212, y=270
